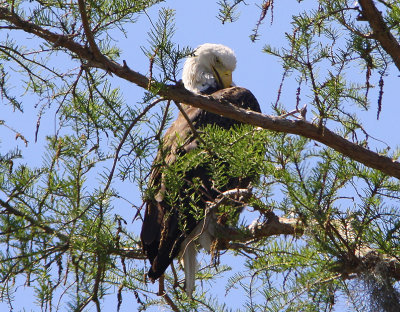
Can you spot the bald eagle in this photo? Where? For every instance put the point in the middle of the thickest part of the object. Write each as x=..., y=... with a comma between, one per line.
x=208, y=71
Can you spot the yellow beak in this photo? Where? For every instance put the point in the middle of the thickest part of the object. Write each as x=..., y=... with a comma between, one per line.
x=223, y=77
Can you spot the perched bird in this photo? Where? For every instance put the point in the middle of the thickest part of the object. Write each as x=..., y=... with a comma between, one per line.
x=172, y=230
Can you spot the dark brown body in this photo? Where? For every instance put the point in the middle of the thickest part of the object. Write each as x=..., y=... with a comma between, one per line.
x=161, y=234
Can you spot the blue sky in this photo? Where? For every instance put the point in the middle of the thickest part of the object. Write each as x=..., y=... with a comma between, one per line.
x=196, y=23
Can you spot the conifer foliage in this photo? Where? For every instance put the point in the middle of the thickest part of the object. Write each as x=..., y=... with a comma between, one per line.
x=325, y=194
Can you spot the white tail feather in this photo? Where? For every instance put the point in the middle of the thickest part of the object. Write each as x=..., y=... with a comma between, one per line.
x=202, y=234
x=190, y=267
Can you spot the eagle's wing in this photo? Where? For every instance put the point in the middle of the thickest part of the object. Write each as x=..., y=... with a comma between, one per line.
x=239, y=97
x=155, y=221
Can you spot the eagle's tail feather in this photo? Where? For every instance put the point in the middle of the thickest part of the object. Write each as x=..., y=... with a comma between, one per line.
x=203, y=234
x=190, y=267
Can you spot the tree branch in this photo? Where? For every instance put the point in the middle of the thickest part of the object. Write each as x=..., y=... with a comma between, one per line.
x=364, y=258
x=218, y=106
x=33, y=221
x=381, y=31
x=300, y=127
x=164, y=294
x=88, y=32
x=131, y=253
x=369, y=259
x=124, y=137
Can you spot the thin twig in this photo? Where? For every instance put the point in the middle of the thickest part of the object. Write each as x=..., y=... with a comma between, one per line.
x=190, y=123
x=163, y=293
x=124, y=137
x=33, y=221
x=163, y=121
x=89, y=35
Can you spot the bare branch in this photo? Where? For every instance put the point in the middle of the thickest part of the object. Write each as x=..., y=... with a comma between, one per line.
x=272, y=227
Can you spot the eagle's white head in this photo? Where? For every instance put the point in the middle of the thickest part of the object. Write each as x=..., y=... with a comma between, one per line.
x=209, y=68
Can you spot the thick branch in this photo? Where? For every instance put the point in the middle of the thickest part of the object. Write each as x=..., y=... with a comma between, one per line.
x=364, y=257
x=130, y=253
x=381, y=31
x=369, y=260
x=299, y=127
x=180, y=94
x=274, y=226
